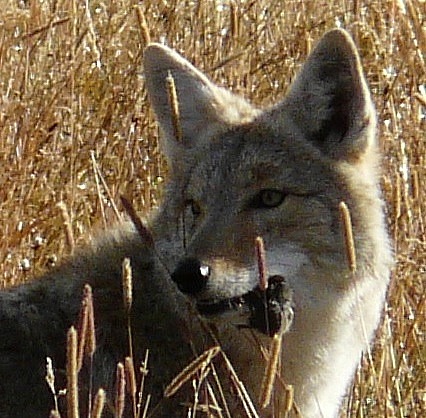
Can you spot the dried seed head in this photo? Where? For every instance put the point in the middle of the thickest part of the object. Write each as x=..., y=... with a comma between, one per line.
x=131, y=382
x=143, y=25
x=349, y=239
x=92, y=38
x=99, y=403
x=68, y=226
x=271, y=371
x=234, y=26
x=261, y=263
x=120, y=391
x=200, y=363
x=289, y=398
x=174, y=104
x=415, y=184
x=91, y=335
x=50, y=375
x=72, y=374
x=127, y=284
x=86, y=327
x=130, y=376
x=397, y=198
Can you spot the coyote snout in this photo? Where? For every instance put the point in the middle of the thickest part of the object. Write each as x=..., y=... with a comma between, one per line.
x=268, y=310
x=191, y=276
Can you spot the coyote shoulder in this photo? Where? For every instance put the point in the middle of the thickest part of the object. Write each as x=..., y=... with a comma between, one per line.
x=236, y=173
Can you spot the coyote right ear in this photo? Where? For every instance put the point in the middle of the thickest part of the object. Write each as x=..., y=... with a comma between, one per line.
x=204, y=108
x=330, y=101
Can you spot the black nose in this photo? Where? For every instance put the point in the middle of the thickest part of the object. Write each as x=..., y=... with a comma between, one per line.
x=191, y=276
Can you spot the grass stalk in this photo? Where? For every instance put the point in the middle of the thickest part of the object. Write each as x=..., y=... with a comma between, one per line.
x=72, y=374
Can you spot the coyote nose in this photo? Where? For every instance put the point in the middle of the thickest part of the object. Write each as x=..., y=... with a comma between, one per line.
x=191, y=276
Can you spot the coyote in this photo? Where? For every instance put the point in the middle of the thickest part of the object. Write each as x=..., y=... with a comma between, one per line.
x=236, y=173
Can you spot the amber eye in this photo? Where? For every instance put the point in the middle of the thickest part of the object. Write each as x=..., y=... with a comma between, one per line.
x=268, y=198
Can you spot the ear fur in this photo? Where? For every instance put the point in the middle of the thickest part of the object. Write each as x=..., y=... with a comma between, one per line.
x=329, y=102
x=205, y=109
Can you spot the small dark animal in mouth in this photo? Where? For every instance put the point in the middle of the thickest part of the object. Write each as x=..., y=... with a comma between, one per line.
x=270, y=311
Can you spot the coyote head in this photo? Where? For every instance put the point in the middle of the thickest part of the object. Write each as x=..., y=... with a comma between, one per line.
x=237, y=172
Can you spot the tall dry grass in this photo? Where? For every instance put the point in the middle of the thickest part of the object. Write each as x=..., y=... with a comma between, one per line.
x=76, y=129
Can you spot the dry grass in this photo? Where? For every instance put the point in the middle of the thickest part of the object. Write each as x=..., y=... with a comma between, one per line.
x=76, y=128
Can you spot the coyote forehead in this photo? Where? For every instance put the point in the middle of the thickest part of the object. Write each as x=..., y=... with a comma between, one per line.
x=241, y=161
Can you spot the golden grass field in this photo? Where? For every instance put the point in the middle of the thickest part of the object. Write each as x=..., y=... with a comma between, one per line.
x=76, y=128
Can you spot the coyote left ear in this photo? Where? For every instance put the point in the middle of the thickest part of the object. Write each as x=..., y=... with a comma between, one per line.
x=204, y=108
x=330, y=101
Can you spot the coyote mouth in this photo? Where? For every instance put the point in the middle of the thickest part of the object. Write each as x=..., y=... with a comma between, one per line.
x=269, y=311
x=208, y=307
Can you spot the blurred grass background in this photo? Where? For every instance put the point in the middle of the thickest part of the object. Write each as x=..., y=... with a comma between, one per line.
x=76, y=128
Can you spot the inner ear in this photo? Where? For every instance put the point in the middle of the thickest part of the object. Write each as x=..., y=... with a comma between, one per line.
x=204, y=109
x=334, y=120
x=195, y=94
x=329, y=102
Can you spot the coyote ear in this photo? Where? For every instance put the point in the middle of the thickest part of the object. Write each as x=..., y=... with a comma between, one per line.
x=330, y=101
x=204, y=108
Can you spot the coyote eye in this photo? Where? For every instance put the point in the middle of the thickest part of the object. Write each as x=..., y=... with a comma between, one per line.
x=268, y=198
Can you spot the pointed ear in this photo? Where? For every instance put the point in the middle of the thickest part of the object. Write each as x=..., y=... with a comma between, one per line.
x=330, y=101
x=204, y=108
